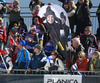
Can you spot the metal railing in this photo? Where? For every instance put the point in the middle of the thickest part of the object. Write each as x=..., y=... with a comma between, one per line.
x=63, y=72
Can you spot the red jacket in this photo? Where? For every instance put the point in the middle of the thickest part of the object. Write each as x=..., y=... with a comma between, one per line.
x=82, y=65
x=3, y=35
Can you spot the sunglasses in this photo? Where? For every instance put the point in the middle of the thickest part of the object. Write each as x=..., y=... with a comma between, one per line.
x=79, y=57
x=52, y=54
x=85, y=30
x=33, y=30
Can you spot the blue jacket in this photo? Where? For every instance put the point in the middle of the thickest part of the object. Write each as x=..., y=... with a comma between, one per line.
x=36, y=60
x=22, y=58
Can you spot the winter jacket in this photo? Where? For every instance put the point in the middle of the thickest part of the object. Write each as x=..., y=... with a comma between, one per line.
x=36, y=60
x=82, y=65
x=22, y=57
x=97, y=64
x=3, y=34
x=57, y=63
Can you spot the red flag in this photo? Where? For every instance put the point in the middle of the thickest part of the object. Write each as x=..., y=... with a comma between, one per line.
x=2, y=52
x=9, y=3
x=11, y=40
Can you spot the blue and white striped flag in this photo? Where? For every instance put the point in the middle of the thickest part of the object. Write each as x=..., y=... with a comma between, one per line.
x=48, y=59
x=76, y=68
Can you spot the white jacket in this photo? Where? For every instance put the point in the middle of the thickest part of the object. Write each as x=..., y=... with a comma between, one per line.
x=58, y=63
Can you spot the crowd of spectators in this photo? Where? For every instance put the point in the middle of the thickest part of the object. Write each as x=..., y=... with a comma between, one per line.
x=27, y=47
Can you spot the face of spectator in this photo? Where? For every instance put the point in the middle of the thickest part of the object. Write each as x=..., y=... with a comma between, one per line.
x=50, y=19
x=19, y=46
x=21, y=22
x=36, y=50
x=15, y=3
x=0, y=22
x=86, y=31
x=63, y=20
x=94, y=57
x=75, y=44
x=33, y=31
x=70, y=4
x=80, y=57
x=81, y=1
x=36, y=20
x=53, y=55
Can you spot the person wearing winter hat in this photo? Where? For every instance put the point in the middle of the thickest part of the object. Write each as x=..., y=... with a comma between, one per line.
x=65, y=27
x=40, y=28
x=7, y=63
x=14, y=15
x=22, y=28
x=55, y=27
x=31, y=39
x=35, y=62
x=23, y=57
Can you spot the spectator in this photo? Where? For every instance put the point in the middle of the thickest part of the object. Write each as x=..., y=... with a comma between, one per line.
x=2, y=34
x=14, y=13
x=36, y=63
x=36, y=10
x=82, y=17
x=71, y=14
x=89, y=3
x=50, y=3
x=75, y=49
x=95, y=62
x=98, y=15
x=65, y=3
x=7, y=61
x=36, y=2
x=23, y=57
x=57, y=65
x=2, y=10
x=88, y=40
x=22, y=28
x=12, y=32
x=49, y=47
x=31, y=39
x=40, y=29
x=82, y=62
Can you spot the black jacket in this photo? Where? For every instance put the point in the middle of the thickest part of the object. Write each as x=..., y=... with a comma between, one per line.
x=88, y=41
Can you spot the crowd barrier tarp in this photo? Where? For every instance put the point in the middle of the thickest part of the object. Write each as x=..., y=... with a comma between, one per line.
x=51, y=78
x=91, y=79
x=21, y=78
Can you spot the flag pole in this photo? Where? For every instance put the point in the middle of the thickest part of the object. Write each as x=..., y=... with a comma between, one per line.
x=3, y=61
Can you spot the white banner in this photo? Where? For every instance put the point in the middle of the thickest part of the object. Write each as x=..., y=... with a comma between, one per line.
x=90, y=51
x=62, y=79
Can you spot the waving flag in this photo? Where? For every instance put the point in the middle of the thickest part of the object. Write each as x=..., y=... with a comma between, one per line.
x=48, y=59
x=2, y=52
x=11, y=40
x=4, y=2
x=75, y=67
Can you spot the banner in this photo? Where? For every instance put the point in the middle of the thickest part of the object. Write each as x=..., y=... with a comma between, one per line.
x=62, y=79
x=56, y=21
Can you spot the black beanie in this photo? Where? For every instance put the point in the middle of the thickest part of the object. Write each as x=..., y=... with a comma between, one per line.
x=49, y=11
x=62, y=15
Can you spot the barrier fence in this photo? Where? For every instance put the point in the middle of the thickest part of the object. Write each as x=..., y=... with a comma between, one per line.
x=66, y=76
